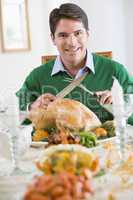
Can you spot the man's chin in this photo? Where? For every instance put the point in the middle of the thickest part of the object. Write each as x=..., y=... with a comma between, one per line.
x=73, y=56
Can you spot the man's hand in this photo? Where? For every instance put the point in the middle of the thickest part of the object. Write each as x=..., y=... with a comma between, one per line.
x=105, y=97
x=43, y=101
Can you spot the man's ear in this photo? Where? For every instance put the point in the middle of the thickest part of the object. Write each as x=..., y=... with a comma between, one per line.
x=88, y=33
x=52, y=38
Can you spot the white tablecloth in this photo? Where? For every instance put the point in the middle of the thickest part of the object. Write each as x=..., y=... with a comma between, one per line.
x=13, y=188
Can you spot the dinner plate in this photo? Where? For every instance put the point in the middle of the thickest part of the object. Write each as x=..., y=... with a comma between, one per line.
x=129, y=133
x=106, y=139
x=38, y=144
x=73, y=147
x=99, y=141
x=43, y=144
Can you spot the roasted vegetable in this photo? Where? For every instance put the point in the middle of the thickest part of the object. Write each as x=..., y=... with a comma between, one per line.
x=109, y=126
x=70, y=161
x=101, y=132
x=40, y=135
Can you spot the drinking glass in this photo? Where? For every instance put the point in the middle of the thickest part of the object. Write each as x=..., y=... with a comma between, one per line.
x=121, y=114
x=9, y=122
x=128, y=101
x=128, y=107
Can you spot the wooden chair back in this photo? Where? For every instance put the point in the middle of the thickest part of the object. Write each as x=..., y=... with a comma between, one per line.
x=47, y=58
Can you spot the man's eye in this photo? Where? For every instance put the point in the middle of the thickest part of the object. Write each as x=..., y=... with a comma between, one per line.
x=63, y=35
x=78, y=33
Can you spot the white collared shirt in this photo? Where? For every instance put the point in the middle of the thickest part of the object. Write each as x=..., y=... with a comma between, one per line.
x=58, y=65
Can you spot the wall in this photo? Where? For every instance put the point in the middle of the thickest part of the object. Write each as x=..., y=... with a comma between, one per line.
x=107, y=32
x=14, y=67
x=128, y=5
x=107, y=26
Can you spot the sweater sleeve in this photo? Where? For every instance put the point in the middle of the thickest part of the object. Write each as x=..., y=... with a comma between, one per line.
x=29, y=91
x=122, y=75
x=125, y=80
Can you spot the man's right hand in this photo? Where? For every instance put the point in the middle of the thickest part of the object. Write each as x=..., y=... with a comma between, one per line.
x=43, y=101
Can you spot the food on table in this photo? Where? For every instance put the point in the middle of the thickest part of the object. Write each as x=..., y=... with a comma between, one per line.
x=62, y=119
x=106, y=130
x=110, y=127
x=87, y=138
x=66, y=121
x=65, y=136
x=64, y=186
x=71, y=158
x=40, y=135
x=64, y=113
x=100, y=132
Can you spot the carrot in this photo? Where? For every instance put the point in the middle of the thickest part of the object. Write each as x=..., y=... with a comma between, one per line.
x=100, y=132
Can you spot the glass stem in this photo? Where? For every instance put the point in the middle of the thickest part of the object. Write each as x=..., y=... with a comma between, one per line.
x=15, y=152
x=121, y=136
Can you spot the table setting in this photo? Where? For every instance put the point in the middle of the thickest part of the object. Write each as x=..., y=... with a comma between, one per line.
x=21, y=159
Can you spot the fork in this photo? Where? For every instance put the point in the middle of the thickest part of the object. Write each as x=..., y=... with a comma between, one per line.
x=91, y=93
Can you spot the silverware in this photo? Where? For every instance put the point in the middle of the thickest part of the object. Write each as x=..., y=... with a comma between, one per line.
x=74, y=83
x=107, y=107
x=84, y=88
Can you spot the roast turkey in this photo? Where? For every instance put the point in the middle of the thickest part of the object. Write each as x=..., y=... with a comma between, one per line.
x=64, y=113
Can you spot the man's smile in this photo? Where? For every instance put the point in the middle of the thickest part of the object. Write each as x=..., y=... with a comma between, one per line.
x=73, y=51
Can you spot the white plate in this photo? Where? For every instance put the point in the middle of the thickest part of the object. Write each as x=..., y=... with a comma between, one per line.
x=74, y=147
x=43, y=144
x=129, y=132
x=106, y=139
x=38, y=144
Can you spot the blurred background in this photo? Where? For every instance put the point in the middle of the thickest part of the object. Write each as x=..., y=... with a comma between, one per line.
x=111, y=29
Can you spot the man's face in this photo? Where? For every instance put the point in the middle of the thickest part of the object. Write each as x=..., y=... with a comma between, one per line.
x=71, y=39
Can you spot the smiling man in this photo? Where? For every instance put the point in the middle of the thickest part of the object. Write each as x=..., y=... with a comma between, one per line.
x=69, y=33
x=71, y=39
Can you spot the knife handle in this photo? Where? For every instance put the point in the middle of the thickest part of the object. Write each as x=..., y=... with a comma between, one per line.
x=97, y=97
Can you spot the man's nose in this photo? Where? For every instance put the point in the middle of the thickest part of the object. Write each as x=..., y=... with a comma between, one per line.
x=72, y=40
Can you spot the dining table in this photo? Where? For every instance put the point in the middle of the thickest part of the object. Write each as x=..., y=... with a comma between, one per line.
x=116, y=183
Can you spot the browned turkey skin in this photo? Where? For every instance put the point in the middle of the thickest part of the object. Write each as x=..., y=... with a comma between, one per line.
x=64, y=113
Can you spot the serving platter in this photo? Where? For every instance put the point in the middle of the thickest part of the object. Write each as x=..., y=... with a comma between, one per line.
x=106, y=139
x=38, y=144
x=72, y=147
x=129, y=132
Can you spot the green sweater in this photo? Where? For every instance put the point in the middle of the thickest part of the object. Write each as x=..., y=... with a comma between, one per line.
x=40, y=81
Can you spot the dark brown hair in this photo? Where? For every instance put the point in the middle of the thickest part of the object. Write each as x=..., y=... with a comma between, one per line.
x=67, y=11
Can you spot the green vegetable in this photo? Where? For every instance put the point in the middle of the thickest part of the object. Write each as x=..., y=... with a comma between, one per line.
x=88, y=139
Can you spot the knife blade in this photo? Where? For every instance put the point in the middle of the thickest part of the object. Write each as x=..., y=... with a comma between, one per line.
x=71, y=86
x=74, y=84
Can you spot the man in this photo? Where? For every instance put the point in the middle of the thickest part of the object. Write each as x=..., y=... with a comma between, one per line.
x=70, y=33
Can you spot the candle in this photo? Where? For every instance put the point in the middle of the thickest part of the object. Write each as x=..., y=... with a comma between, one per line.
x=118, y=110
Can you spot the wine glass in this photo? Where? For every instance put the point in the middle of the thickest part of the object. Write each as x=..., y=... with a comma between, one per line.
x=123, y=108
x=128, y=101
x=128, y=106
x=9, y=117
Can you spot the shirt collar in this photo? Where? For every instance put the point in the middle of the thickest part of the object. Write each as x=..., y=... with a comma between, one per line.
x=58, y=66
